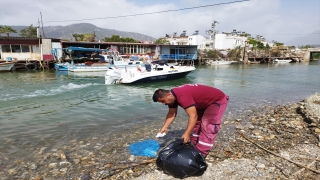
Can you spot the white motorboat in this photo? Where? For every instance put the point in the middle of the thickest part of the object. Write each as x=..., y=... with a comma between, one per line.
x=282, y=61
x=106, y=59
x=6, y=66
x=148, y=73
x=221, y=62
x=101, y=66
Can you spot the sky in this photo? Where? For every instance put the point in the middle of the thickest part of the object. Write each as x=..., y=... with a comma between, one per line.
x=279, y=20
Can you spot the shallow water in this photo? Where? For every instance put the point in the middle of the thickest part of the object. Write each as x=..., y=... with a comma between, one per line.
x=50, y=108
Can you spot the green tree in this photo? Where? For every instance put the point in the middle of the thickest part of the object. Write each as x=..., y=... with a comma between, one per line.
x=245, y=35
x=7, y=30
x=117, y=38
x=211, y=54
x=81, y=37
x=260, y=45
x=235, y=54
x=88, y=37
x=267, y=46
x=128, y=40
x=161, y=41
x=254, y=44
x=30, y=31
x=306, y=47
x=278, y=44
x=315, y=56
x=1, y=30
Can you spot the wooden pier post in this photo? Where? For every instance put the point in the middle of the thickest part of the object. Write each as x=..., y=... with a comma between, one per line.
x=245, y=53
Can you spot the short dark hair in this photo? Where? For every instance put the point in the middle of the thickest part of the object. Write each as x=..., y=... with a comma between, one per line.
x=160, y=93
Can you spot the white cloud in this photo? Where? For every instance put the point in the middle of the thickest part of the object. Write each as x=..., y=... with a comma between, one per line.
x=275, y=19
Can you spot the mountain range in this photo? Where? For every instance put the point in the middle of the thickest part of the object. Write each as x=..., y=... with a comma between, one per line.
x=310, y=39
x=65, y=32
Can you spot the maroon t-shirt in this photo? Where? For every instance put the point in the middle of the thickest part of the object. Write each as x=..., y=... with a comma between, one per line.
x=200, y=96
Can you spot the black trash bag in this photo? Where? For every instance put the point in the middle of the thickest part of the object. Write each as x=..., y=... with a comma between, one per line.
x=181, y=160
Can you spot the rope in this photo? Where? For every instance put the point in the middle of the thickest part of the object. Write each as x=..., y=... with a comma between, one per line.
x=298, y=164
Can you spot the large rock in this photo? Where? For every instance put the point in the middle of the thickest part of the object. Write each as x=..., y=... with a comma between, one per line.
x=310, y=108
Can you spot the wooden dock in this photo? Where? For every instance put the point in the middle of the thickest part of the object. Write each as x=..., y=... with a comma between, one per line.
x=32, y=64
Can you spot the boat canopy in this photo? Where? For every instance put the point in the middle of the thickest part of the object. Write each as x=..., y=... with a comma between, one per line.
x=71, y=48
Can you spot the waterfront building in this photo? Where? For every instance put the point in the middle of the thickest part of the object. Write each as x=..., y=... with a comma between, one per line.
x=220, y=41
x=36, y=50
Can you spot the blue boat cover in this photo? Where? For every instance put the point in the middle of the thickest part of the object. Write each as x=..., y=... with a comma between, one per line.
x=147, y=148
x=83, y=49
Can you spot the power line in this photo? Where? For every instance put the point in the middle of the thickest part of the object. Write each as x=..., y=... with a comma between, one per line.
x=174, y=10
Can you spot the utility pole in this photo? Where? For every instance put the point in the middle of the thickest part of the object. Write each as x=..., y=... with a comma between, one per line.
x=94, y=34
x=212, y=34
x=245, y=53
x=42, y=26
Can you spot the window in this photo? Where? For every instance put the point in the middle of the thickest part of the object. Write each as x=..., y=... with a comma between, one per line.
x=16, y=48
x=35, y=48
x=25, y=48
x=6, y=48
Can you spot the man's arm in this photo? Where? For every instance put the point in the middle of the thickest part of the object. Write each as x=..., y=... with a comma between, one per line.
x=193, y=116
x=172, y=113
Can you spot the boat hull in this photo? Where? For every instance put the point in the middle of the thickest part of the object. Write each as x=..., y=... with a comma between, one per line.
x=137, y=75
x=61, y=67
x=282, y=61
x=5, y=67
x=158, y=78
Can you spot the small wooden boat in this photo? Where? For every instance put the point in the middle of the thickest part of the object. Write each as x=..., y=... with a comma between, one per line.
x=6, y=66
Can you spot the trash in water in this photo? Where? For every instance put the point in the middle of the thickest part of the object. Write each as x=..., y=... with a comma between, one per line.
x=147, y=148
x=160, y=135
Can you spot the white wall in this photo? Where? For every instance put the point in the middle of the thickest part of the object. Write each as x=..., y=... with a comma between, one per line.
x=228, y=41
x=196, y=40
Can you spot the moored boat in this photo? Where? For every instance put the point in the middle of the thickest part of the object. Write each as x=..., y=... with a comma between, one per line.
x=148, y=73
x=282, y=61
x=6, y=66
x=107, y=58
x=221, y=62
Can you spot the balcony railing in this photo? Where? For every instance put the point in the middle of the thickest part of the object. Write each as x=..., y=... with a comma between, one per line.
x=178, y=56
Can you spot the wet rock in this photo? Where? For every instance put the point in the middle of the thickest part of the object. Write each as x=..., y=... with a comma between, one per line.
x=131, y=158
x=64, y=163
x=61, y=155
x=260, y=166
x=63, y=170
x=33, y=166
x=12, y=171
x=55, y=172
x=85, y=177
x=52, y=165
x=239, y=127
x=76, y=161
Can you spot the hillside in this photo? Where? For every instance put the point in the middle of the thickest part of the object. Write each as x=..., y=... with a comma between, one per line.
x=65, y=32
x=310, y=39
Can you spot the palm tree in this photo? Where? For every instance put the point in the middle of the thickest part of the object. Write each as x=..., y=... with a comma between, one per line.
x=1, y=30
x=29, y=32
x=75, y=36
x=7, y=30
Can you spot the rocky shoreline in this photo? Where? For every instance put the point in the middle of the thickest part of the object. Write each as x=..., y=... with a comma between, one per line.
x=290, y=132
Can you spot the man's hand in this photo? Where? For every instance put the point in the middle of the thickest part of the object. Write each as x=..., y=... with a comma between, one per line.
x=185, y=137
x=193, y=116
x=163, y=130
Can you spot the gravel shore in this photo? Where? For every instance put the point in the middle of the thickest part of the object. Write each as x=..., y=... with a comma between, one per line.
x=291, y=132
x=278, y=142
